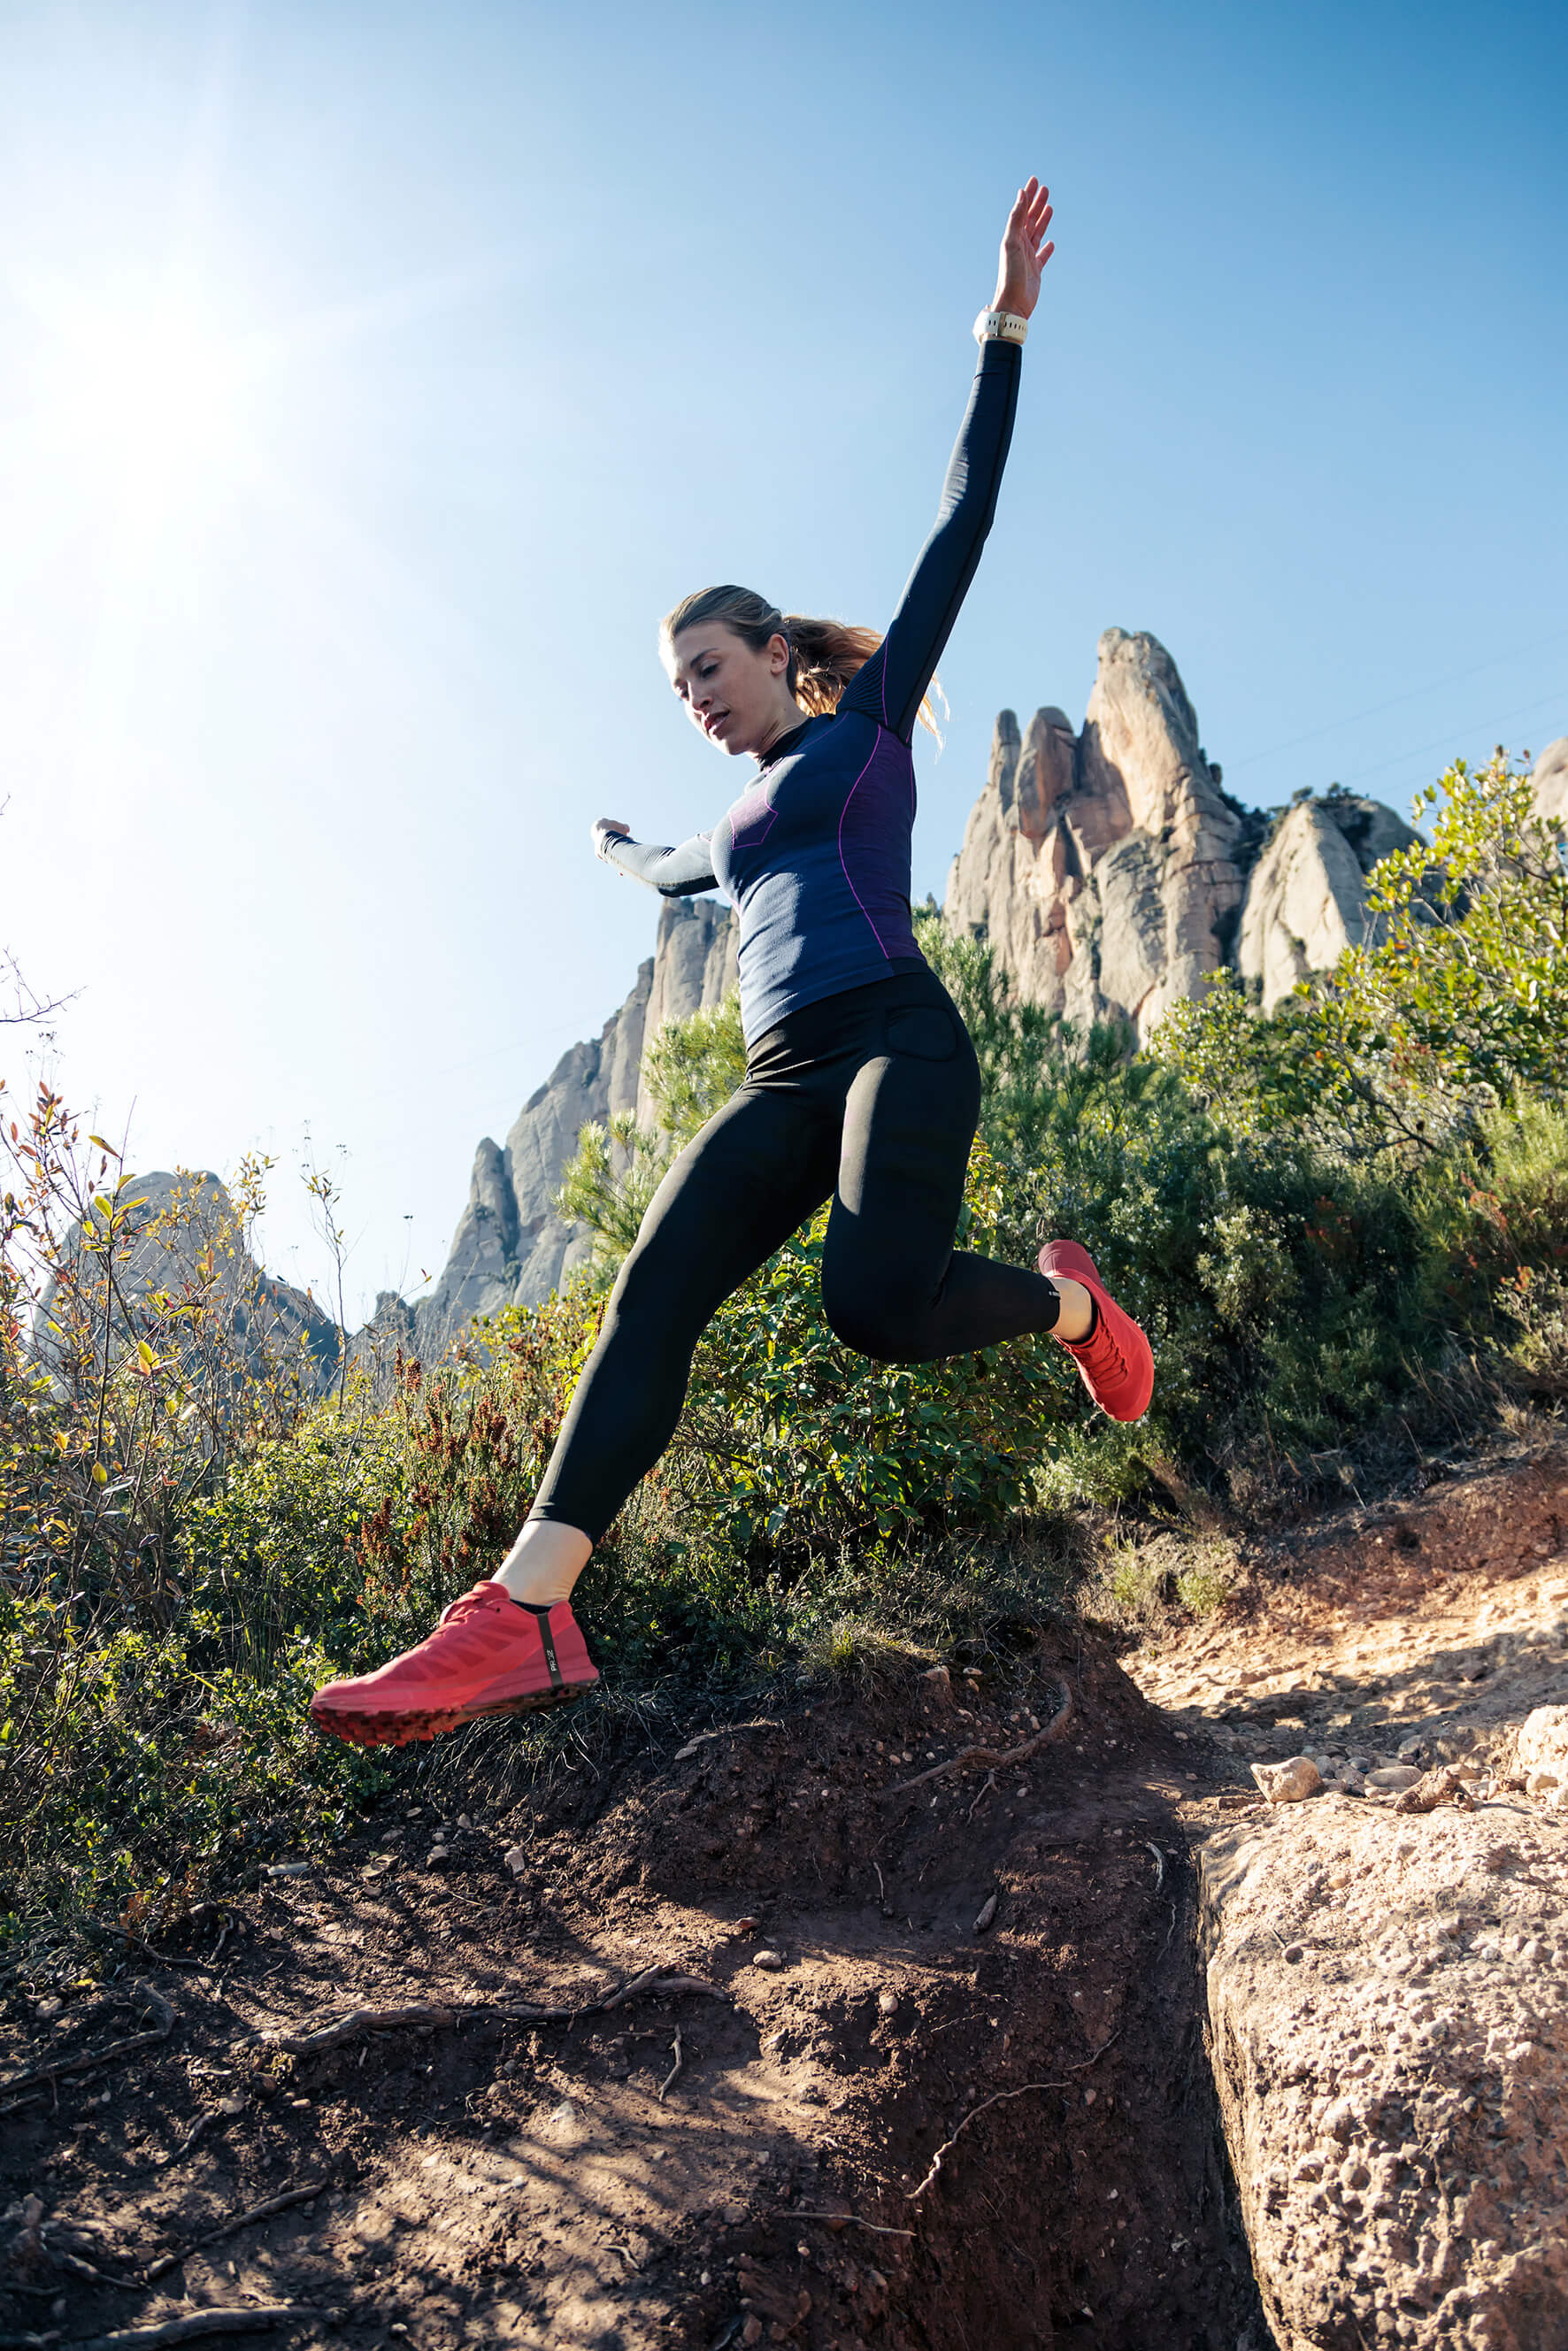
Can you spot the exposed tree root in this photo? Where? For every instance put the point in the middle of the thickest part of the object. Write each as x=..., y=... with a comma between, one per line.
x=361, y=2021
x=996, y=1759
x=997, y=2099
x=248, y=2318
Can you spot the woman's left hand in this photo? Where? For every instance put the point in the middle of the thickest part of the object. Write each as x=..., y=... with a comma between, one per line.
x=1024, y=251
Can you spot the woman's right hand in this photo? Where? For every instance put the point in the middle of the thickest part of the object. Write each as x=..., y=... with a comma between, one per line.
x=607, y=828
x=1025, y=249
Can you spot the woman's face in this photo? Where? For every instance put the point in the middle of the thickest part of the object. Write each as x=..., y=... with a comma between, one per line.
x=733, y=695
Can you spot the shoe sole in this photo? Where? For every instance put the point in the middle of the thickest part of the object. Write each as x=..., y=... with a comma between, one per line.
x=410, y=1723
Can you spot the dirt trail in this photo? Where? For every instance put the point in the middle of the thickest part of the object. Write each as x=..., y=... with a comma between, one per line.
x=488, y=2178
x=1437, y=1621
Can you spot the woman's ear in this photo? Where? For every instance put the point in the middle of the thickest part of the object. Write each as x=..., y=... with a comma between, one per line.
x=778, y=653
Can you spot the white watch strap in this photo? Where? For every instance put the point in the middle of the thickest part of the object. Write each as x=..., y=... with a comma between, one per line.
x=1001, y=326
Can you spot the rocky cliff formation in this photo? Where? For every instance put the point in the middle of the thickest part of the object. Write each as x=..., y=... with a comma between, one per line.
x=1114, y=874
x=1306, y=896
x=182, y=1235
x=510, y=1247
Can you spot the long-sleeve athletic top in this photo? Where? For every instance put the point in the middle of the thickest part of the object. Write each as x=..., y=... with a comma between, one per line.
x=816, y=853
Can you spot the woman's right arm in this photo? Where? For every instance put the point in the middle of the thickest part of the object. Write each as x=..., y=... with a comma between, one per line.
x=679, y=872
x=892, y=685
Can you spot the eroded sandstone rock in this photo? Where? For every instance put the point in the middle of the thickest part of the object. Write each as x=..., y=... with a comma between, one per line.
x=1541, y=1755
x=1113, y=875
x=1389, y=2021
x=1306, y=896
x=1290, y=1782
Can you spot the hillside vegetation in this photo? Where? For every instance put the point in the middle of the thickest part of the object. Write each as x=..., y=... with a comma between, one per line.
x=1345, y=1225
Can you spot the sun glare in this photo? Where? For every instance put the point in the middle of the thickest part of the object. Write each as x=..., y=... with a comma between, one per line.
x=150, y=392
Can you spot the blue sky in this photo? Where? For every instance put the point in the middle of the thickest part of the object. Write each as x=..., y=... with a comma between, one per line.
x=378, y=375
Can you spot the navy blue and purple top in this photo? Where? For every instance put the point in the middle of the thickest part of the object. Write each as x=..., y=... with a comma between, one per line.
x=816, y=853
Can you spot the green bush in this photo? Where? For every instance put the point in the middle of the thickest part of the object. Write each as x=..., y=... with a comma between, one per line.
x=1456, y=1001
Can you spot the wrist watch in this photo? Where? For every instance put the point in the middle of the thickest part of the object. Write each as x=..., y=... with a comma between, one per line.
x=1001, y=326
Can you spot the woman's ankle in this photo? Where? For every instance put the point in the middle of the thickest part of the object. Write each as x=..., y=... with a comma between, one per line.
x=1075, y=1310
x=544, y=1563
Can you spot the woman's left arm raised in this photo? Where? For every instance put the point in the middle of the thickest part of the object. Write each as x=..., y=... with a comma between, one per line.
x=893, y=684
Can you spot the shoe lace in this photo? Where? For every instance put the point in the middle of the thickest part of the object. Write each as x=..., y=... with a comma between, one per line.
x=460, y=1614
x=1101, y=1350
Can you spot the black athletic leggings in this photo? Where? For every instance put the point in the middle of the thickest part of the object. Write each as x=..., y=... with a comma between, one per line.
x=873, y=1096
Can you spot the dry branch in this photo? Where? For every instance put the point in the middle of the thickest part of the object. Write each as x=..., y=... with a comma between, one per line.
x=240, y=2221
x=998, y=1758
x=996, y=2099
x=250, y=2318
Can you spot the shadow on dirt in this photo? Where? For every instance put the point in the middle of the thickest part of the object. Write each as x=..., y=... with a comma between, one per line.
x=942, y=2083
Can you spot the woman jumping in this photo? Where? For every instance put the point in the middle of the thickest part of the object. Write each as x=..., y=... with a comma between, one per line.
x=861, y=1081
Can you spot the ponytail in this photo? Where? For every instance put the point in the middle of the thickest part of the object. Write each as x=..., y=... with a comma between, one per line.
x=824, y=655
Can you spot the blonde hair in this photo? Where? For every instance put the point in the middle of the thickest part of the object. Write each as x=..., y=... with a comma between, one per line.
x=824, y=655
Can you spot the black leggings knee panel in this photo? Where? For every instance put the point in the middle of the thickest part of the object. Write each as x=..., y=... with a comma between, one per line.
x=872, y=1096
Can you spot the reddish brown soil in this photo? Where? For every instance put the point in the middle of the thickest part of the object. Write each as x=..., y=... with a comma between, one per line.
x=489, y=2181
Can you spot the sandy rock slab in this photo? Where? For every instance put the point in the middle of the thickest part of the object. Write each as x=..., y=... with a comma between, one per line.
x=1388, y=2009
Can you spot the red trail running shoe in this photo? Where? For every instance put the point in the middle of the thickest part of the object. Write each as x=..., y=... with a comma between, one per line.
x=1115, y=1363
x=489, y=1654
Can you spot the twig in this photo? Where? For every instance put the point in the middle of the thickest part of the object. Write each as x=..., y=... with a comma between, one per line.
x=201, y=2123
x=1159, y=1862
x=675, y=2068
x=987, y=1787
x=23, y=2086
x=1002, y=1759
x=727, y=1731
x=846, y=2221
x=996, y=2099
x=140, y=1943
x=880, y=1888
x=652, y=1980
x=240, y=2221
x=250, y=2318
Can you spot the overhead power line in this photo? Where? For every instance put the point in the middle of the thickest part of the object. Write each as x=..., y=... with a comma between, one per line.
x=1558, y=694
x=1449, y=677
